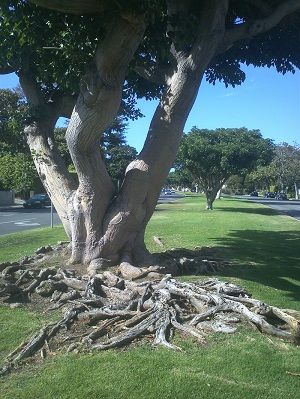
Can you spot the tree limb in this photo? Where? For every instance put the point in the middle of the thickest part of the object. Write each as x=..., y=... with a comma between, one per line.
x=64, y=104
x=254, y=28
x=77, y=7
x=31, y=88
x=6, y=69
x=211, y=26
x=157, y=75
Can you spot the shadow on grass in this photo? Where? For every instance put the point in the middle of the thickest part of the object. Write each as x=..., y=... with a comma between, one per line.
x=257, y=211
x=265, y=257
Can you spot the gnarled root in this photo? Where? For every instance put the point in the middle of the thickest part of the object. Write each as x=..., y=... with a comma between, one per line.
x=101, y=316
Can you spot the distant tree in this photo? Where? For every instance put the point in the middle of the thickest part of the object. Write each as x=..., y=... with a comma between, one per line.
x=180, y=178
x=286, y=167
x=262, y=178
x=13, y=114
x=117, y=160
x=18, y=173
x=212, y=156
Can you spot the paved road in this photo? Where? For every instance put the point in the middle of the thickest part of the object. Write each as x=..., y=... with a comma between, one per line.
x=168, y=198
x=14, y=219
x=291, y=208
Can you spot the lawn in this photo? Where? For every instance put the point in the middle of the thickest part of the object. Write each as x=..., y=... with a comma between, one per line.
x=263, y=248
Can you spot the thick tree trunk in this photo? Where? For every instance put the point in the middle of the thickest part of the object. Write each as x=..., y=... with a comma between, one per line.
x=102, y=226
x=135, y=204
x=97, y=105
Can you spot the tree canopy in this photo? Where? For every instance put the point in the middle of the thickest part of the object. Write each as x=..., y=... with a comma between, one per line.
x=212, y=156
x=58, y=47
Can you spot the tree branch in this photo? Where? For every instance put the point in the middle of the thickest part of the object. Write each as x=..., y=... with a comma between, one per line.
x=31, y=89
x=77, y=7
x=254, y=28
x=211, y=26
x=154, y=74
x=6, y=69
x=64, y=104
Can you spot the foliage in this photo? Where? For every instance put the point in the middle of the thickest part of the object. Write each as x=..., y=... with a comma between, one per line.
x=13, y=113
x=17, y=172
x=118, y=159
x=286, y=165
x=283, y=172
x=180, y=177
x=58, y=47
x=212, y=156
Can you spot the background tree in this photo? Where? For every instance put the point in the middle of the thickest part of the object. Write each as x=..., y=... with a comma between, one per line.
x=180, y=178
x=13, y=114
x=262, y=178
x=18, y=173
x=122, y=51
x=283, y=173
x=286, y=167
x=212, y=156
x=117, y=161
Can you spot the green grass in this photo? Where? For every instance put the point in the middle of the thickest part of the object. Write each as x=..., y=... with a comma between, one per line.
x=266, y=253
x=16, y=245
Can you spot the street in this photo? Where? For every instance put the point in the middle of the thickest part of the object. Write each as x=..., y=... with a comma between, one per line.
x=14, y=219
x=290, y=208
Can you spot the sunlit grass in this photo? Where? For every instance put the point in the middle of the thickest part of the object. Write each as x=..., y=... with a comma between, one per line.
x=265, y=251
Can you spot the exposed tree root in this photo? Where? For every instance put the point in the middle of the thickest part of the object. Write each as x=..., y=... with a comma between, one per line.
x=103, y=312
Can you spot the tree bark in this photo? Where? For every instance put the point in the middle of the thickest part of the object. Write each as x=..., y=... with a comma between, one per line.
x=51, y=168
x=50, y=165
x=135, y=204
x=296, y=190
x=97, y=105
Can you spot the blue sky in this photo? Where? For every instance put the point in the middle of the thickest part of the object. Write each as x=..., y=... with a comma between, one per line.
x=266, y=101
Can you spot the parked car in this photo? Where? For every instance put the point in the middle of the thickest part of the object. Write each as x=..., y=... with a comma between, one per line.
x=37, y=201
x=281, y=197
x=269, y=194
x=168, y=192
x=254, y=194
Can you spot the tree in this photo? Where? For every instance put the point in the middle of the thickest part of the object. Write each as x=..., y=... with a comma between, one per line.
x=286, y=167
x=18, y=173
x=283, y=172
x=13, y=113
x=212, y=156
x=118, y=159
x=123, y=50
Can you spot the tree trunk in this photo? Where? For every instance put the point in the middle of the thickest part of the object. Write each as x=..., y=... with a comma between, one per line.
x=211, y=193
x=103, y=226
x=210, y=198
x=296, y=191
